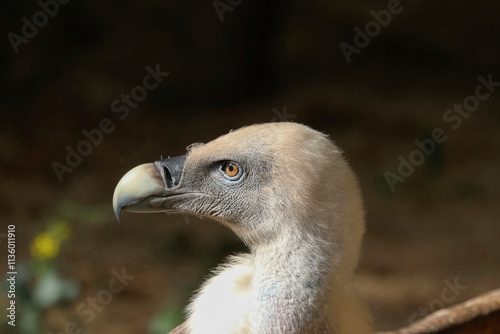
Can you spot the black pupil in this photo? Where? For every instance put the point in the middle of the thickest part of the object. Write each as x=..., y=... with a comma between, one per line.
x=230, y=168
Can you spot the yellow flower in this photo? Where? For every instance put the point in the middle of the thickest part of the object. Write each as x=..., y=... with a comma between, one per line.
x=44, y=246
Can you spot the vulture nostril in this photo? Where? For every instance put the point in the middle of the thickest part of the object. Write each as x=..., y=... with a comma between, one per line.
x=168, y=177
x=170, y=170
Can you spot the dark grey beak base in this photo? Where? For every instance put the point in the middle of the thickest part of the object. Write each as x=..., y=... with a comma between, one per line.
x=141, y=185
x=171, y=170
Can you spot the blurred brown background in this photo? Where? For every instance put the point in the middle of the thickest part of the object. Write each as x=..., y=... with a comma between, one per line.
x=265, y=61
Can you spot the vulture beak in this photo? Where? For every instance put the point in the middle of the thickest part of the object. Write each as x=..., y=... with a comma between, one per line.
x=152, y=187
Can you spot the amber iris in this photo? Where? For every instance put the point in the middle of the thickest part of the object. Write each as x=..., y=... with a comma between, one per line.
x=231, y=169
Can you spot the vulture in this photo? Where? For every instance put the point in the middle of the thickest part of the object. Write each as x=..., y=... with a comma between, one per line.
x=288, y=193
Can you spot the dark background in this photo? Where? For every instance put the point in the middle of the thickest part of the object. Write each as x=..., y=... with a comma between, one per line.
x=264, y=58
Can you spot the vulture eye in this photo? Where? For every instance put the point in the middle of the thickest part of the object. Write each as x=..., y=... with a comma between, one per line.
x=231, y=170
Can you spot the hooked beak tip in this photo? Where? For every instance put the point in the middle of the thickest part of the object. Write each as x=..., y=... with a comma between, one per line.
x=139, y=183
x=142, y=184
x=117, y=214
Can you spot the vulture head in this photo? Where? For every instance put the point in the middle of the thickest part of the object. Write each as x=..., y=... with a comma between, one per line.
x=289, y=194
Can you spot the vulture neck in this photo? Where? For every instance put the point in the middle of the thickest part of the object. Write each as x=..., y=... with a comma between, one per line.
x=293, y=282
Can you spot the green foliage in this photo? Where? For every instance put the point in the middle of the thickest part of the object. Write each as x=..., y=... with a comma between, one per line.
x=166, y=319
x=87, y=214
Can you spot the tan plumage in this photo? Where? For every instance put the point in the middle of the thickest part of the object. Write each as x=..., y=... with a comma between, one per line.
x=295, y=202
x=480, y=315
x=297, y=207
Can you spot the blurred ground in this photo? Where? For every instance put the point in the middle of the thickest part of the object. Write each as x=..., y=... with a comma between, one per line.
x=440, y=226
